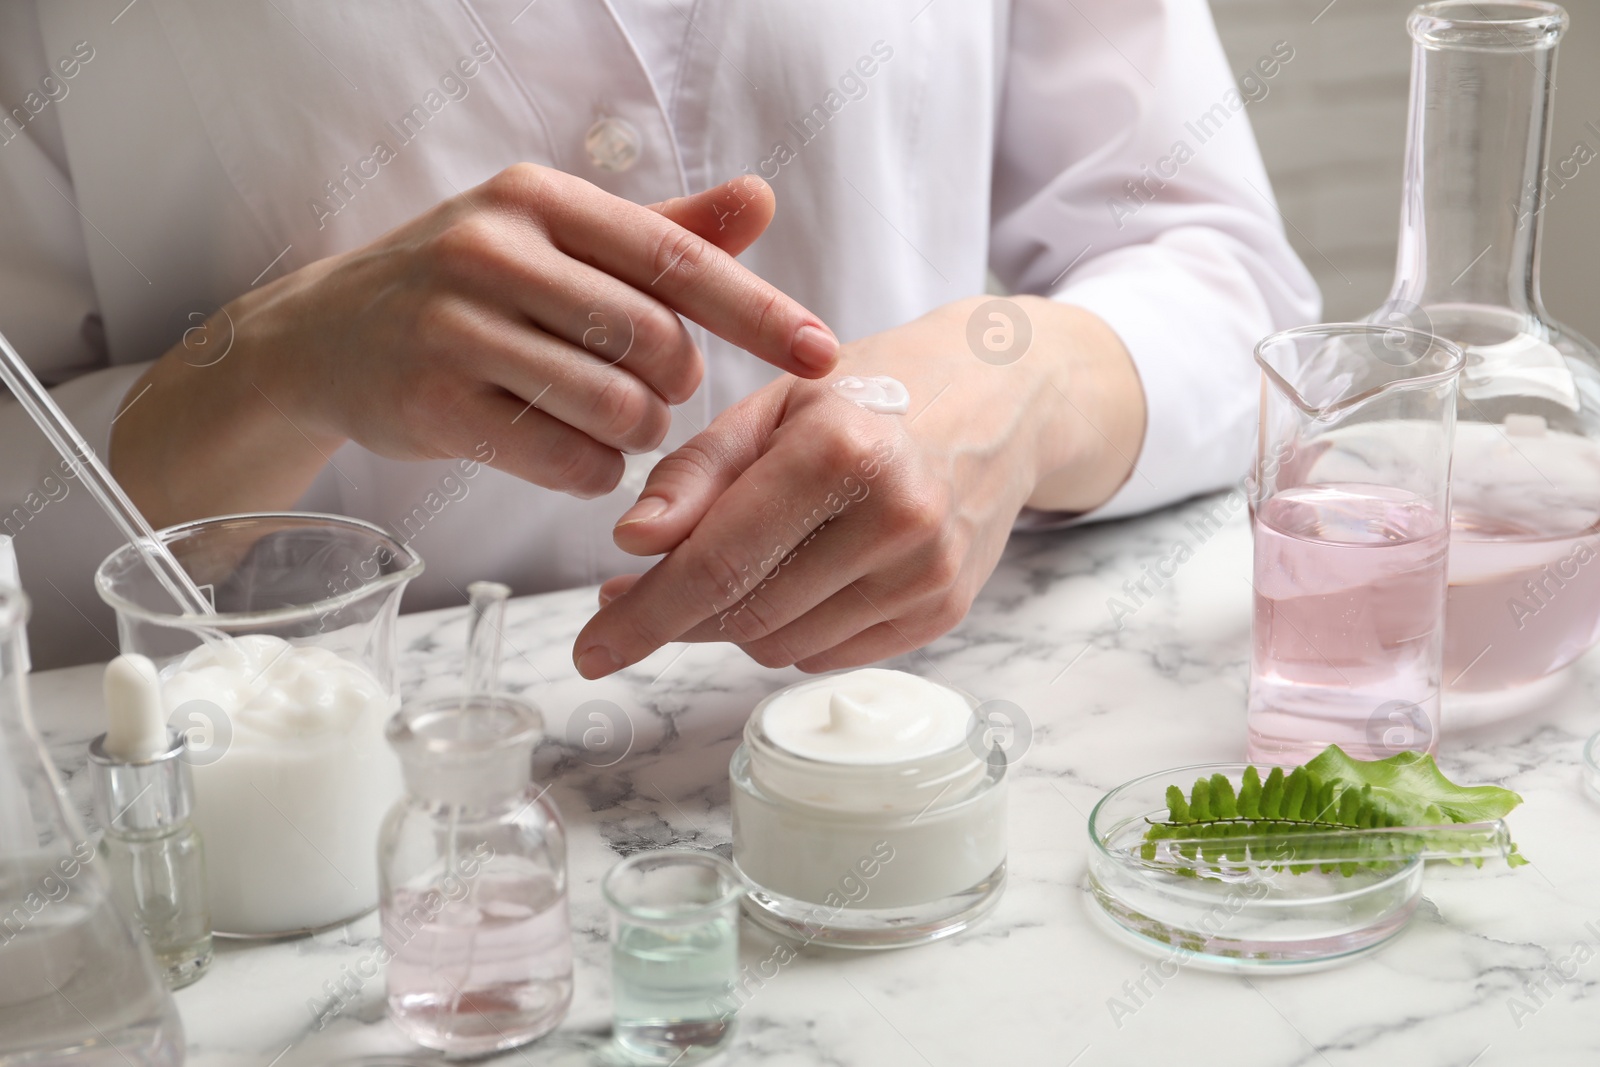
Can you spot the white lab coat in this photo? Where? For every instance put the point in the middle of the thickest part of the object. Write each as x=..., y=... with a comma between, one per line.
x=160, y=158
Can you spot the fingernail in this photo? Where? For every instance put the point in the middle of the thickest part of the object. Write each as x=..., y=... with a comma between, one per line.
x=816, y=348
x=598, y=661
x=605, y=598
x=643, y=510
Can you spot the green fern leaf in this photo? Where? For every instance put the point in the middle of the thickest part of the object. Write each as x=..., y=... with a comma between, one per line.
x=1332, y=792
x=1250, y=794
x=1177, y=806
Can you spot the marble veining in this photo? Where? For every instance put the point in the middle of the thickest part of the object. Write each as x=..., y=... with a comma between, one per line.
x=1499, y=967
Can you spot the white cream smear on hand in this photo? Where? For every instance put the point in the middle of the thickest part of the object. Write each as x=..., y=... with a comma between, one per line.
x=869, y=716
x=879, y=393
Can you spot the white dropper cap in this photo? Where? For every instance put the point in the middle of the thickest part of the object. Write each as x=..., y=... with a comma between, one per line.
x=141, y=782
x=138, y=720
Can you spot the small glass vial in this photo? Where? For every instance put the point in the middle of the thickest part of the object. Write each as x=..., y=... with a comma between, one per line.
x=472, y=869
x=144, y=798
x=675, y=981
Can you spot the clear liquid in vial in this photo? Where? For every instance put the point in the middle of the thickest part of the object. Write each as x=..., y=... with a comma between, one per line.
x=674, y=989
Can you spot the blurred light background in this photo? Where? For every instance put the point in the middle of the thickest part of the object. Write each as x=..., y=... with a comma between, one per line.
x=1333, y=128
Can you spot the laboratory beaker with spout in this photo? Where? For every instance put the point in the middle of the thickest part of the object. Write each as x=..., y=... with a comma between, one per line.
x=284, y=694
x=1524, y=592
x=1350, y=504
x=77, y=984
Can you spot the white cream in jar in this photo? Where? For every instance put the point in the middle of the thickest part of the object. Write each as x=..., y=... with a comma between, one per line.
x=292, y=780
x=867, y=809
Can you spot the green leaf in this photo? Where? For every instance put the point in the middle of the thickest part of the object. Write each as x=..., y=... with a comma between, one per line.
x=1326, y=807
x=1350, y=804
x=1411, y=786
x=1272, y=793
x=1294, y=794
x=1223, y=803
x=1250, y=794
x=1177, y=806
x=1331, y=792
x=1200, y=801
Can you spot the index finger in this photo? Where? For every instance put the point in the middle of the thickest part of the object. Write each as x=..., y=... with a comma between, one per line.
x=741, y=541
x=689, y=274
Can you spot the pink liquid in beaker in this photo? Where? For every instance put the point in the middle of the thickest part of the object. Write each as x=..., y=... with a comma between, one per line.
x=1349, y=612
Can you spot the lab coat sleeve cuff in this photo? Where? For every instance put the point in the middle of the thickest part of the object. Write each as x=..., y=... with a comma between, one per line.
x=1197, y=412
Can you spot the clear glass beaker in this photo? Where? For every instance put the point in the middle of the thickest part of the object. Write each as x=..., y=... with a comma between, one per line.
x=1349, y=502
x=1524, y=593
x=473, y=868
x=674, y=955
x=76, y=984
x=284, y=694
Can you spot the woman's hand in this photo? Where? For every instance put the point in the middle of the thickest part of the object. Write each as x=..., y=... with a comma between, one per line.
x=812, y=532
x=533, y=318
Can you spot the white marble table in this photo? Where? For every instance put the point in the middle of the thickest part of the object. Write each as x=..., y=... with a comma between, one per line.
x=1033, y=984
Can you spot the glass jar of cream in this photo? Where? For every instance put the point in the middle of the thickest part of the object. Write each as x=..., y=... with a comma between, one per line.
x=869, y=811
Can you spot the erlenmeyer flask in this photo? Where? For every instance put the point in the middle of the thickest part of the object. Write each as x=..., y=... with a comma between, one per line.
x=76, y=984
x=1524, y=590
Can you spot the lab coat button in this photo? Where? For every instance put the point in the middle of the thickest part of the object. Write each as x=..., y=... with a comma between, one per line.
x=613, y=144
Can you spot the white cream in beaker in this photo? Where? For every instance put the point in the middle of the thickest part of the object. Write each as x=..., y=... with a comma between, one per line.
x=292, y=780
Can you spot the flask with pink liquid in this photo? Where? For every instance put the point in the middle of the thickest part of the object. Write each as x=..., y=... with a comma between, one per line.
x=1524, y=584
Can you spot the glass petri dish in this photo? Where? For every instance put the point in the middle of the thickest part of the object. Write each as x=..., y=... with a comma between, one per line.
x=1257, y=920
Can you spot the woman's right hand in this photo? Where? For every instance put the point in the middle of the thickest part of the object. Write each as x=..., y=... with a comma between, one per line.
x=533, y=318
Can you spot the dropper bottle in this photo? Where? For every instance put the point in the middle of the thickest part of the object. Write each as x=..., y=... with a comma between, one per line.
x=143, y=797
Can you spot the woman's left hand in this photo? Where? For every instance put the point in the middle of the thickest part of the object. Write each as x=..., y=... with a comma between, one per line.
x=810, y=531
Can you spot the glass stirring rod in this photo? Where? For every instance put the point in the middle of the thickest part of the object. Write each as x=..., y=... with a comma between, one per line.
x=49, y=417
x=487, y=606
x=487, y=601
